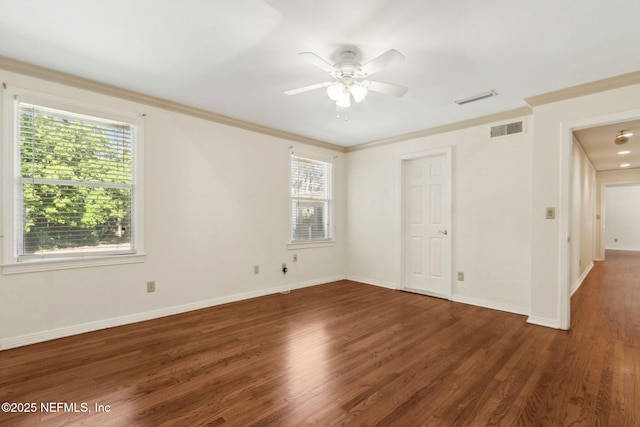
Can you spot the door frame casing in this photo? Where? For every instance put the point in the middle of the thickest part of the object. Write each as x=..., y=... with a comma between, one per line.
x=447, y=152
x=566, y=168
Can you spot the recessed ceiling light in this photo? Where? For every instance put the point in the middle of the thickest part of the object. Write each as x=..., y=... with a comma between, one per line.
x=622, y=153
x=625, y=165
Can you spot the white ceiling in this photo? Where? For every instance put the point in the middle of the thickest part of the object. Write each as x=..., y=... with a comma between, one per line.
x=237, y=57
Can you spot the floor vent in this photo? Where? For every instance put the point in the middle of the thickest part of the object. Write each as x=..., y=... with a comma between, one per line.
x=507, y=129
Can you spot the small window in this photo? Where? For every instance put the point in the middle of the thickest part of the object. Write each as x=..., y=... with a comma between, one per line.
x=311, y=199
x=74, y=192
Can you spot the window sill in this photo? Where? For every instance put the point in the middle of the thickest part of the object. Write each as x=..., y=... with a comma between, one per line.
x=311, y=244
x=69, y=263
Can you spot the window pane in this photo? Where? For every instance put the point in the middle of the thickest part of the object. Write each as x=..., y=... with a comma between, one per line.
x=76, y=183
x=310, y=199
x=55, y=147
x=310, y=220
x=309, y=178
x=61, y=218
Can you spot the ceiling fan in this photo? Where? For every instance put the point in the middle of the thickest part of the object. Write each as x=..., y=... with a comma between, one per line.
x=350, y=78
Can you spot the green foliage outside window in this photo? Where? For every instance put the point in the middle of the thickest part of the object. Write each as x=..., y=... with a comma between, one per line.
x=76, y=178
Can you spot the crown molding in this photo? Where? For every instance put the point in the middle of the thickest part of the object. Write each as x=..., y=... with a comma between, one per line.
x=533, y=101
x=492, y=118
x=27, y=69
x=24, y=68
x=585, y=89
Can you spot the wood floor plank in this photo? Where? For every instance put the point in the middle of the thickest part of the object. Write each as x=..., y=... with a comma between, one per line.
x=346, y=354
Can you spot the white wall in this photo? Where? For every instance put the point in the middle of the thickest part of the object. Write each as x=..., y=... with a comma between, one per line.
x=490, y=220
x=603, y=180
x=622, y=217
x=216, y=204
x=583, y=194
x=552, y=136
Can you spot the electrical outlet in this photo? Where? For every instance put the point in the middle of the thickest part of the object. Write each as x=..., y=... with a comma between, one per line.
x=151, y=286
x=295, y=257
x=460, y=276
x=256, y=269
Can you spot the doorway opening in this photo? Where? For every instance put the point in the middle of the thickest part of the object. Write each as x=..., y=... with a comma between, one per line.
x=620, y=229
x=597, y=140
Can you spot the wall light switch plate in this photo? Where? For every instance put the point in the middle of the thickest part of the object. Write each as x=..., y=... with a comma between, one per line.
x=551, y=213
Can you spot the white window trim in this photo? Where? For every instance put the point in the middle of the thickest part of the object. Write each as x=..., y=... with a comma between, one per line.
x=51, y=264
x=10, y=174
x=309, y=244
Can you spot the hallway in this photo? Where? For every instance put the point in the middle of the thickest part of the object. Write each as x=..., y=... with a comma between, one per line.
x=599, y=373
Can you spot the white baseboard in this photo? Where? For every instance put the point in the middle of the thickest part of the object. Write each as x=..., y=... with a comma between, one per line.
x=456, y=298
x=19, y=341
x=309, y=283
x=543, y=321
x=583, y=276
x=509, y=308
x=368, y=281
x=622, y=249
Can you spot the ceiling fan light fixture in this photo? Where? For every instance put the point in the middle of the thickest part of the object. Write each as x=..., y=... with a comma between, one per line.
x=344, y=100
x=359, y=92
x=335, y=90
x=348, y=77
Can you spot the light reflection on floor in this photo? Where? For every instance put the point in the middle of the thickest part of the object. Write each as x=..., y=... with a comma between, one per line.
x=308, y=361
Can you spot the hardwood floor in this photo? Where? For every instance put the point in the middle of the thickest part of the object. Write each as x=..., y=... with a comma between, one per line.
x=346, y=354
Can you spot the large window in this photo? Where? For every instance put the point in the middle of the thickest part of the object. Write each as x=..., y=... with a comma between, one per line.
x=311, y=199
x=74, y=191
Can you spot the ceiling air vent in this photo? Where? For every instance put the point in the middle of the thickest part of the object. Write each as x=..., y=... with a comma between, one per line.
x=507, y=129
x=477, y=97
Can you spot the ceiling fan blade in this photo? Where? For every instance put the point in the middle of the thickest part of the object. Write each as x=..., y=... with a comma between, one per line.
x=307, y=88
x=314, y=59
x=386, y=88
x=381, y=62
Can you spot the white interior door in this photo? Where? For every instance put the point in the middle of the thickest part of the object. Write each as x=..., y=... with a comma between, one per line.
x=426, y=224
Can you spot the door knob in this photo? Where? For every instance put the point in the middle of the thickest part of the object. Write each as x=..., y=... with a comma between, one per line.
x=443, y=232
